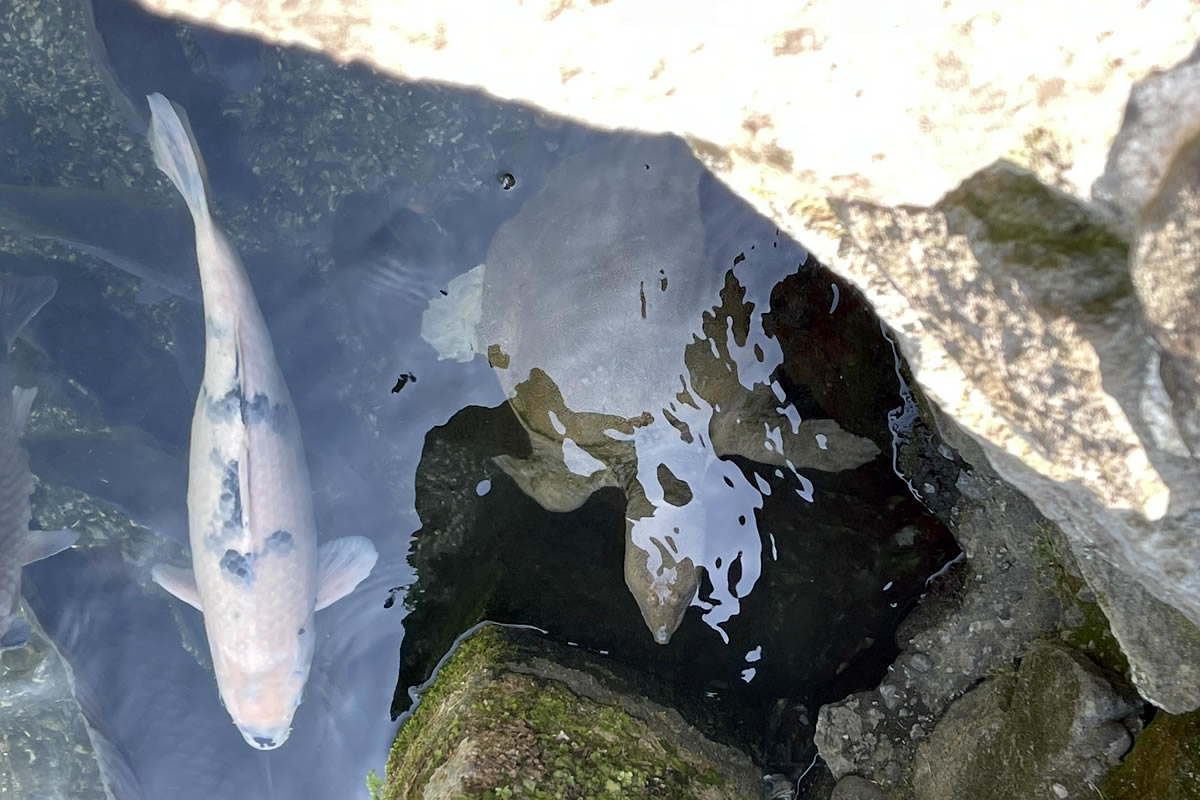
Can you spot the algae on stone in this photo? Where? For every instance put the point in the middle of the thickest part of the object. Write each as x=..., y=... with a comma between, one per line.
x=500, y=721
x=1164, y=763
x=1050, y=728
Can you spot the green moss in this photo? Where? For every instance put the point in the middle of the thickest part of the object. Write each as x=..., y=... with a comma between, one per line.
x=374, y=785
x=1033, y=226
x=1093, y=637
x=422, y=743
x=534, y=738
x=1163, y=765
x=574, y=748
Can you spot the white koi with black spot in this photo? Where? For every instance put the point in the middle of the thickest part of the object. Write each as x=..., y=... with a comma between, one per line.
x=257, y=573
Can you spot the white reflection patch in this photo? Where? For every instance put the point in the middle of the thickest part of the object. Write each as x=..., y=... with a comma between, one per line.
x=717, y=527
x=579, y=460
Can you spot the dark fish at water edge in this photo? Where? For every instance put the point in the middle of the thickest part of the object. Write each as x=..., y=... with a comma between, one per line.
x=20, y=298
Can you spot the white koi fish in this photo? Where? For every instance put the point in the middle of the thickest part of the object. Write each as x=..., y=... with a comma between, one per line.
x=257, y=574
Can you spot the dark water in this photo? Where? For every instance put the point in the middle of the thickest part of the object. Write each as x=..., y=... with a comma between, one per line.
x=354, y=201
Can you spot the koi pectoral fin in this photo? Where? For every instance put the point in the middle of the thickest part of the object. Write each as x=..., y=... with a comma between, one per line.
x=179, y=581
x=341, y=565
x=43, y=544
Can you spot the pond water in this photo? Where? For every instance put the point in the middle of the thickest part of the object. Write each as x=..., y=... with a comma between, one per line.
x=552, y=376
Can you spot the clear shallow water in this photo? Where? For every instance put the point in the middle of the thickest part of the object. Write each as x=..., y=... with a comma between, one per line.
x=353, y=200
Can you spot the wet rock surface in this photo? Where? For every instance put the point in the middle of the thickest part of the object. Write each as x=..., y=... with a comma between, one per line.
x=512, y=714
x=978, y=615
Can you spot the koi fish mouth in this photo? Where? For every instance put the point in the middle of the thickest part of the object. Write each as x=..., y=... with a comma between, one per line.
x=265, y=739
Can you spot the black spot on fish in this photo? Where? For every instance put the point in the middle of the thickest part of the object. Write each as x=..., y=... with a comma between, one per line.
x=739, y=258
x=257, y=410
x=231, y=497
x=278, y=542
x=261, y=410
x=227, y=523
x=224, y=407
x=300, y=632
x=239, y=565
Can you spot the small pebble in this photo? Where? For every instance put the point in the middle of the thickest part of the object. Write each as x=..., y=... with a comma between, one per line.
x=920, y=662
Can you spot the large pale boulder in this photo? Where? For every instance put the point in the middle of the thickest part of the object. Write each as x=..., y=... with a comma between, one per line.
x=874, y=134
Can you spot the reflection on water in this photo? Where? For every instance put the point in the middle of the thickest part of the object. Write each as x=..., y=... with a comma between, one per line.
x=633, y=414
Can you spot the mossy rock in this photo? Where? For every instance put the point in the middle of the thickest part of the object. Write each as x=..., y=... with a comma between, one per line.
x=505, y=719
x=1051, y=727
x=1083, y=627
x=1163, y=765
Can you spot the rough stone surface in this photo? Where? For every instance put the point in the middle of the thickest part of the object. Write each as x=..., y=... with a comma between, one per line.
x=511, y=714
x=853, y=787
x=1009, y=299
x=977, y=617
x=912, y=98
x=1036, y=345
x=1052, y=728
x=1166, y=275
x=1018, y=589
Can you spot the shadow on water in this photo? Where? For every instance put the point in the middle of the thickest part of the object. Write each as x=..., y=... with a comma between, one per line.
x=354, y=200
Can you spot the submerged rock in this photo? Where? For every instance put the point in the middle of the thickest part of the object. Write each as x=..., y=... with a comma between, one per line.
x=976, y=617
x=635, y=359
x=510, y=713
x=45, y=750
